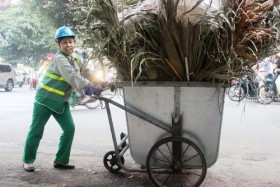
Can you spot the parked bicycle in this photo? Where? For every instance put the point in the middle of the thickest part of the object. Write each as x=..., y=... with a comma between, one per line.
x=246, y=86
x=268, y=92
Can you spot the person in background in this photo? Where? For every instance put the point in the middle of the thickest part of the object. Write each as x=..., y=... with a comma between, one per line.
x=61, y=77
x=277, y=61
x=264, y=68
x=276, y=71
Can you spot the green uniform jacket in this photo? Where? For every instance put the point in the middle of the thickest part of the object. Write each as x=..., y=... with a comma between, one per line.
x=61, y=77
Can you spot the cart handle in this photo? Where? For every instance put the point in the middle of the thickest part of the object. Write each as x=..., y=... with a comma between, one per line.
x=137, y=113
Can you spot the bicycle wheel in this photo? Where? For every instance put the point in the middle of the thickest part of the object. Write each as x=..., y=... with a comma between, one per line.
x=93, y=103
x=176, y=161
x=236, y=92
x=276, y=99
x=265, y=94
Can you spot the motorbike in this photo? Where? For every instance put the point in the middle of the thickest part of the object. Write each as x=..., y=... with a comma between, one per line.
x=85, y=99
x=78, y=99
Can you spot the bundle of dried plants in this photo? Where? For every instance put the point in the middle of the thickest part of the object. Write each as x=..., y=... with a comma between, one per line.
x=160, y=46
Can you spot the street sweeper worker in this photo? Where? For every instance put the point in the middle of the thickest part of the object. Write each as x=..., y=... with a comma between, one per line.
x=61, y=77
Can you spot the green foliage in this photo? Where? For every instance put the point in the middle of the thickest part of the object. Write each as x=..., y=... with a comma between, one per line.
x=53, y=12
x=24, y=39
x=68, y=12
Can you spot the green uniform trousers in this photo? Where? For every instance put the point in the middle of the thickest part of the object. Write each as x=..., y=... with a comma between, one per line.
x=40, y=117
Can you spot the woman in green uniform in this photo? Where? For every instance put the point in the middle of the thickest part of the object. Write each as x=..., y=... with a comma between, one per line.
x=53, y=92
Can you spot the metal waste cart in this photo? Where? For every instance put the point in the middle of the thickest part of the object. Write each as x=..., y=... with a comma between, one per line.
x=173, y=130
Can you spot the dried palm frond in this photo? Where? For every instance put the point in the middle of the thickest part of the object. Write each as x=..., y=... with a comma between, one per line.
x=255, y=28
x=166, y=46
x=107, y=34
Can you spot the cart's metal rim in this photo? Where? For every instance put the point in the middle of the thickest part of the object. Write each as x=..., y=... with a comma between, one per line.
x=167, y=84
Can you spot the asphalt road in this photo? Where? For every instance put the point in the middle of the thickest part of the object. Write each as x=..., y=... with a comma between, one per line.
x=248, y=155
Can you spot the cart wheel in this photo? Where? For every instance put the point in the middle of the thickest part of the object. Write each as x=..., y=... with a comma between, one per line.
x=110, y=162
x=185, y=167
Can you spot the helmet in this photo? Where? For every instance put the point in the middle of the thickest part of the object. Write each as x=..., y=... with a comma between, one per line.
x=63, y=32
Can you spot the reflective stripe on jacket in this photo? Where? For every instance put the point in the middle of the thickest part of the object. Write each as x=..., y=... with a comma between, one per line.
x=53, y=86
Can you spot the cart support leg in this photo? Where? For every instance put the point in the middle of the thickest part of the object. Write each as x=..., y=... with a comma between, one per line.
x=176, y=146
x=112, y=130
x=118, y=154
x=176, y=127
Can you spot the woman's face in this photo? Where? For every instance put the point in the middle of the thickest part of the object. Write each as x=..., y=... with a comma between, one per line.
x=67, y=45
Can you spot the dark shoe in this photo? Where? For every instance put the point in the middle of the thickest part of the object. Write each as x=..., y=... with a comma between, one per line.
x=63, y=166
x=28, y=167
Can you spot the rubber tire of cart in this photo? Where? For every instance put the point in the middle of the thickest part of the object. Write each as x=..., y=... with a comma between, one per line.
x=160, y=158
x=110, y=162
